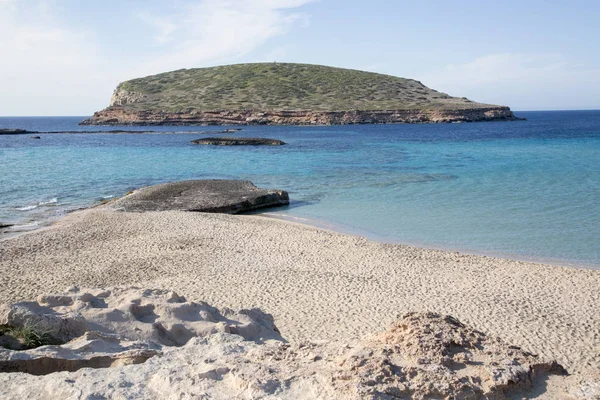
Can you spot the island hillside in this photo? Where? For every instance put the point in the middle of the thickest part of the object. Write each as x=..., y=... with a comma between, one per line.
x=284, y=93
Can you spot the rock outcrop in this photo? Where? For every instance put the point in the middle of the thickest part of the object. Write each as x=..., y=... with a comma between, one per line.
x=118, y=115
x=15, y=131
x=120, y=326
x=216, y=196
x=218, y=141
x=155, y=344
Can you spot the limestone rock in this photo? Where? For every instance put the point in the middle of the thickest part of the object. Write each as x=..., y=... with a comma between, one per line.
x=61, y=326
x=426, y=355
x=240, y=355
x=117, y=115
x=91, y=350
x=219, y=141
x=160, y=316
x=121, y=326
x=222, y=196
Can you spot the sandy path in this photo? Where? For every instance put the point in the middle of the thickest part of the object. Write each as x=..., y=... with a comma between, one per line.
x=317, y=284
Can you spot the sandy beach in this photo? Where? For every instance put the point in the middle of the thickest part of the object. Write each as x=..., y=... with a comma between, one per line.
x=317, y=284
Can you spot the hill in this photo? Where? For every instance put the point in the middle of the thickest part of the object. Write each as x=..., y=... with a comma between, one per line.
x=284, y=93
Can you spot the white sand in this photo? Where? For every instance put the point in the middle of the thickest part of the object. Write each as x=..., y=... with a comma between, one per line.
x=316, y=283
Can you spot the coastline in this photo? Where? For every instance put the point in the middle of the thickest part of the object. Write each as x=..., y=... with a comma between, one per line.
x=332, y=227
x=121, y=115
x=318, y=284
x=356, y=232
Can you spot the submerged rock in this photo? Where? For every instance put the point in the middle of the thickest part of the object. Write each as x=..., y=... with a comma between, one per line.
x=192, y=350
x=216, y=141
x=217, y=196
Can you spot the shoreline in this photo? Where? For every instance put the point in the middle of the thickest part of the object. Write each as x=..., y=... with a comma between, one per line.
x=317, y=284
x=271, y=213
x=121, y=115
x=357, y=232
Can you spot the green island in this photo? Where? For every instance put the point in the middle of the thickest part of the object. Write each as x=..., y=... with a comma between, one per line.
x=284, y=93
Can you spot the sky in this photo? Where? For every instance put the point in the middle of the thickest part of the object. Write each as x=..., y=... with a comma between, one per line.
x=65, y=57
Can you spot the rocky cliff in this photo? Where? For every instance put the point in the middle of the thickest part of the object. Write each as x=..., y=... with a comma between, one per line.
x=285, y=94
x=118, y=115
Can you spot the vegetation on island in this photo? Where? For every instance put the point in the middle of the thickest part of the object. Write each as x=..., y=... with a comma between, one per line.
x=280, y=86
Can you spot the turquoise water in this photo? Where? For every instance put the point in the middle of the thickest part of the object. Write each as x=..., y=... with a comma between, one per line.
x=519, y=189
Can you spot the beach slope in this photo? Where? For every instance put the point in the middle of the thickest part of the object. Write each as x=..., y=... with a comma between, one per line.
x=317, y=284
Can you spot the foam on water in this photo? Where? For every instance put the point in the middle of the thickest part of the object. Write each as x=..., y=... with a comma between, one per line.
x=519, y=189
x=52, y=201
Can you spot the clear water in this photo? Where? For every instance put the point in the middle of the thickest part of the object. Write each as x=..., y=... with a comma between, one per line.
x=518, y=189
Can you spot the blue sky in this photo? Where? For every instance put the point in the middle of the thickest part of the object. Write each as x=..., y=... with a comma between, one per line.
x=64, y=57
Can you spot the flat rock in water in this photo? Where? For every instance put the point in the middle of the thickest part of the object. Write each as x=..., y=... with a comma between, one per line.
x=217, y=141
x=217, y=196
x=14, y=131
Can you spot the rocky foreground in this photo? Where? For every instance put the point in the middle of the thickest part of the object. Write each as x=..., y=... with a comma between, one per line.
x=140, y=343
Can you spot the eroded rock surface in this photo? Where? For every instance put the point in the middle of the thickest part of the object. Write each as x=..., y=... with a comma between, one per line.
x=219, y=196
x=118, y=115
x=119, y=326
x=154, y=344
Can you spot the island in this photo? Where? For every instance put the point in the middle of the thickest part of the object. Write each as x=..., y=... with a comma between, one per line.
x=285, y=94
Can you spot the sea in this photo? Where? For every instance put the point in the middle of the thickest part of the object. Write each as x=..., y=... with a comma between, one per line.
x=525, y=190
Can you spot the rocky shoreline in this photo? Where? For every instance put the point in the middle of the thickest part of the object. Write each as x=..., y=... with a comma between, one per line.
x=118, y=115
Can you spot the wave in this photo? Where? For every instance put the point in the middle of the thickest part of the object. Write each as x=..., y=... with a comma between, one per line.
x=53, y=200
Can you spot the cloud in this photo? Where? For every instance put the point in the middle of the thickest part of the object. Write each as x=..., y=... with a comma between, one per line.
x=44, y=64
x=522, y=81
x=164, y=27
x=218, y=31
x=55, y=66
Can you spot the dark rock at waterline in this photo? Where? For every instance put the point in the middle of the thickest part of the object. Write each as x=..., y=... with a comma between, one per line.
x=223, y=131
x=214, y=196
x=216, y=141
x=14, y=131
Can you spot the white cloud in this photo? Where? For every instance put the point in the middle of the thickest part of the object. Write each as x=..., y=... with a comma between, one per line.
x=47, y=69
x=51, y=67
x=522, y=81
x=219, y=31
x=164, y=27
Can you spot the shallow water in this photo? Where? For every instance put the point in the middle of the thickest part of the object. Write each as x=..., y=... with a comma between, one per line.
x=519, y=189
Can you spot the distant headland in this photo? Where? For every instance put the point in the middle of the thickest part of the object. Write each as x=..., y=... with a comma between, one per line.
x=285, y=94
